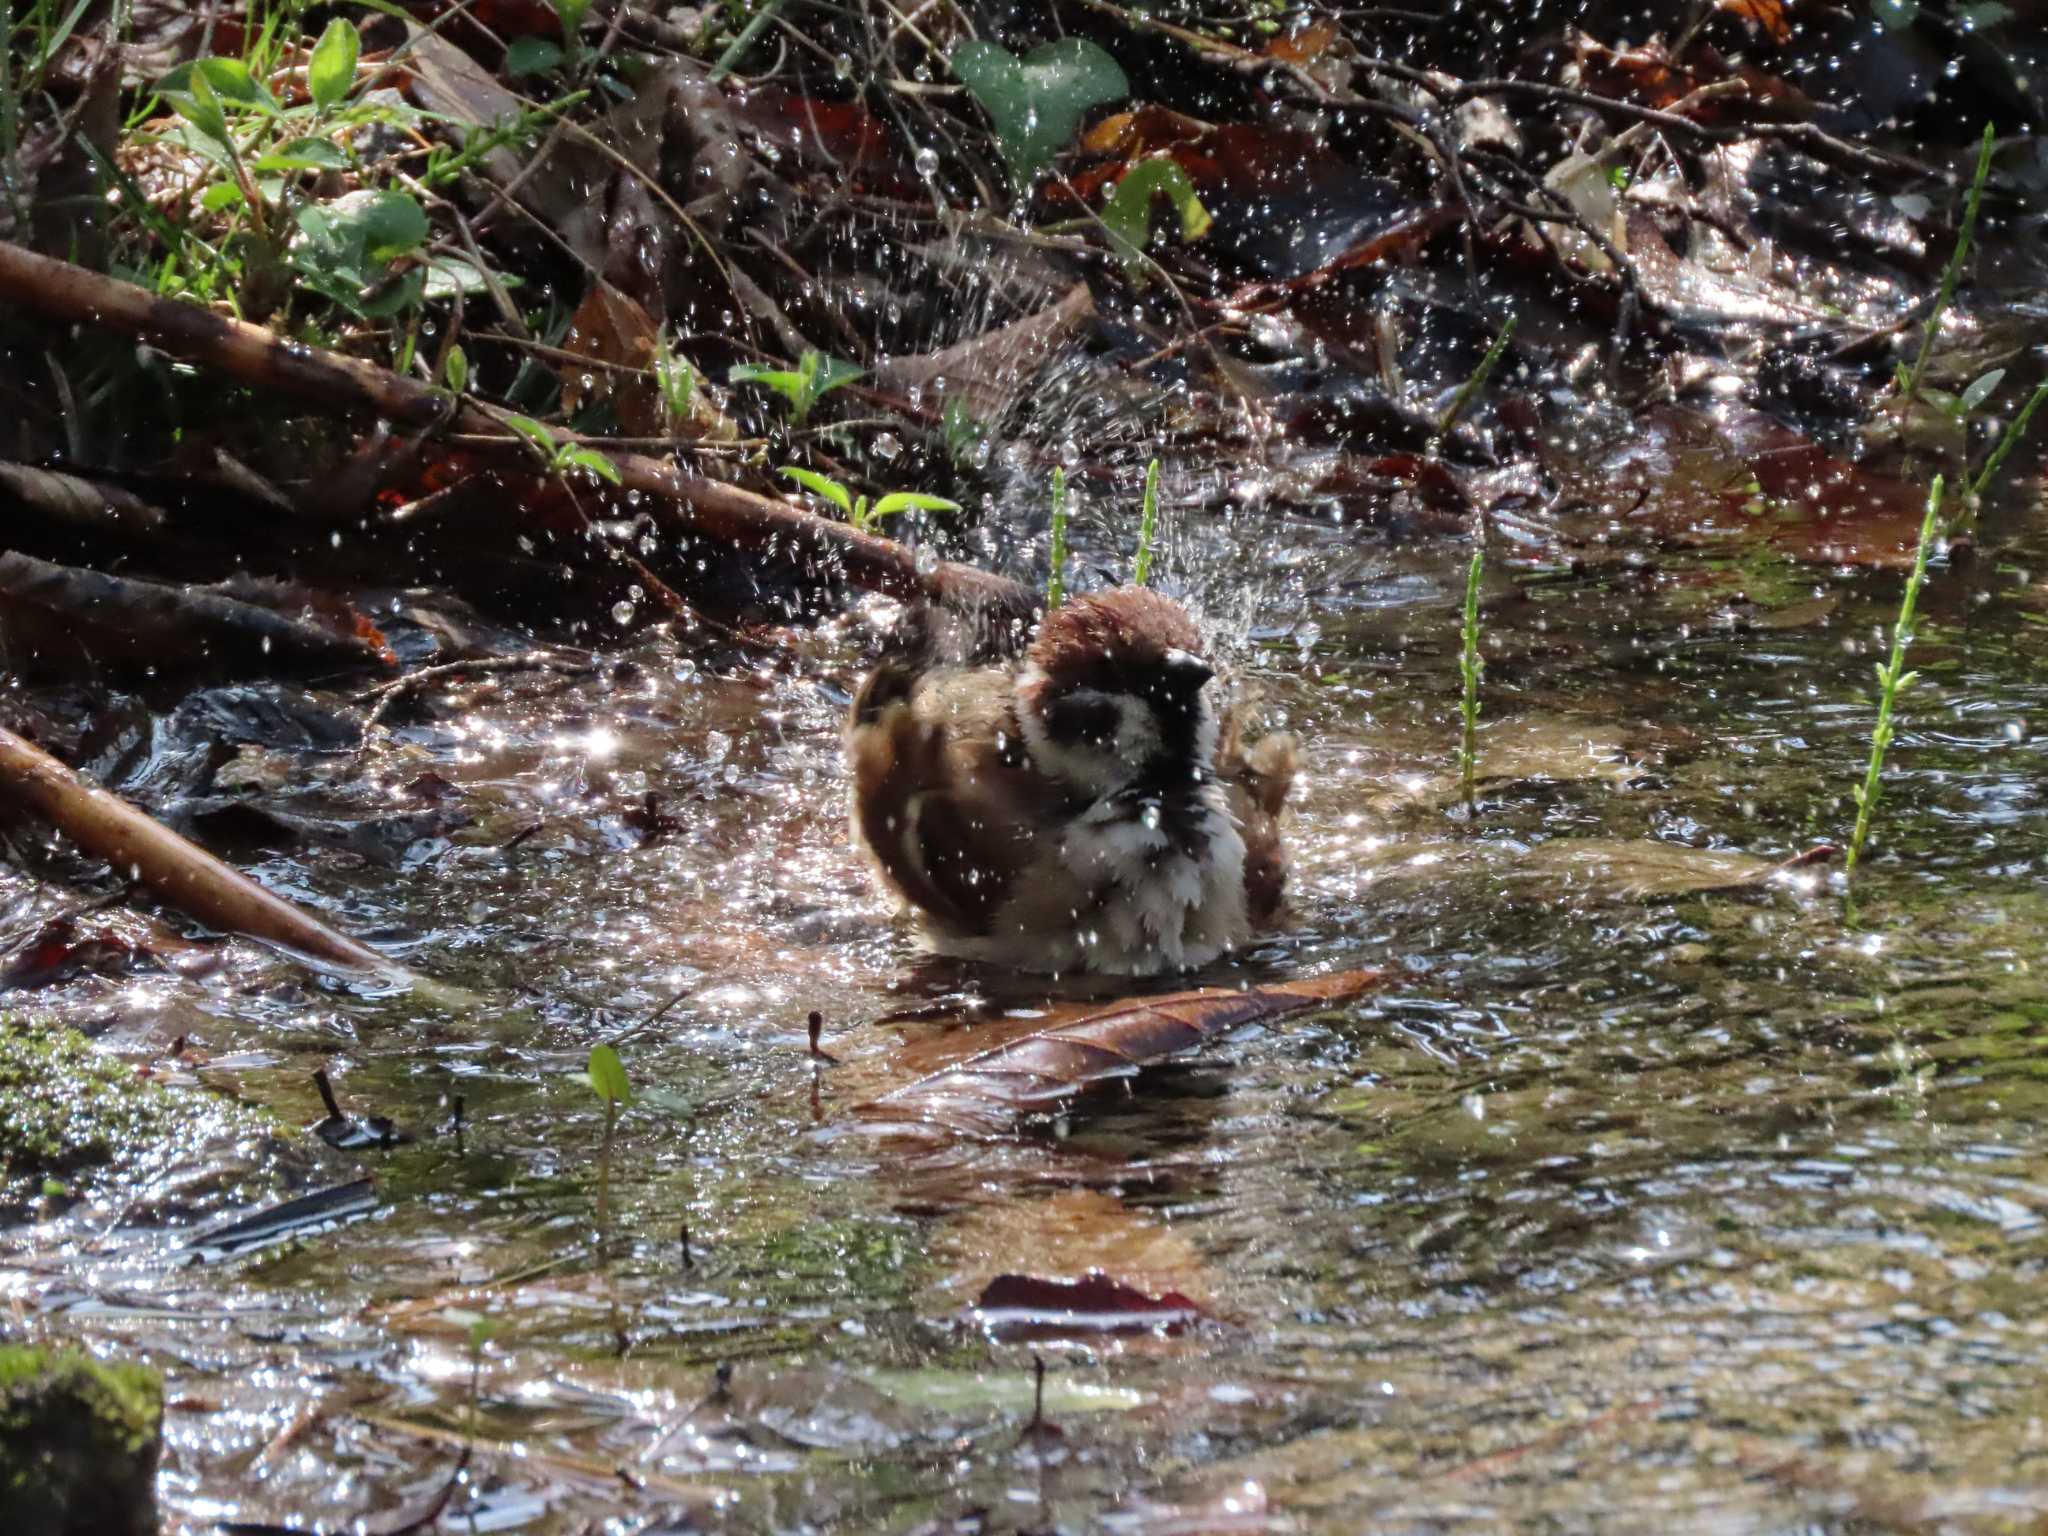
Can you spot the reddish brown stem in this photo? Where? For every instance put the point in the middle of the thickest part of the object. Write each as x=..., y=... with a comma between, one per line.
x=328, y=381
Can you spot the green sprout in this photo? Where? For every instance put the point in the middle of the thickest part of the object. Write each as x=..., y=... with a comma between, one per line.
x=1909, y=379
x=1469, y=390
x=1471, y=666
x=607, y=1076
x=814, y=377
x=1148, y=527
x=678, y=380
x=865, y=516
x=1892, y=680
x=1056, y=582
x=965, y=436
x=560, y=458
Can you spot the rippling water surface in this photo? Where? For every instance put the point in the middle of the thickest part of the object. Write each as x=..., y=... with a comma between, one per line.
x=1622, y=1204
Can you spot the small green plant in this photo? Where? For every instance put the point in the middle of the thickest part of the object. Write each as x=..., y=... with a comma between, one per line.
x=859, y=511
x=559, y=458
x=1148, y=527
x=815, y=376
x=607, y=1075
x=764, y=13
x=1056, y=581
x=1035, y=103
x=965, y=436
x=1128, y=214
x=1470, y=665
x=1909, y=378
x=455, y=370
x=1469, y=390
x=677, y=379
x=2006, y=443
x=1892, y=680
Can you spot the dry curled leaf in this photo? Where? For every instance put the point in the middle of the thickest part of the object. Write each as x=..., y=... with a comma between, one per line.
x=986, y=1094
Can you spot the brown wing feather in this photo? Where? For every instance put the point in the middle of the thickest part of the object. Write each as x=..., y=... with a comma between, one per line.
x=942, y=805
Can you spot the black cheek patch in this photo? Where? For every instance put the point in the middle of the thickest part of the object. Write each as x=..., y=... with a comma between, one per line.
x=1074, y=721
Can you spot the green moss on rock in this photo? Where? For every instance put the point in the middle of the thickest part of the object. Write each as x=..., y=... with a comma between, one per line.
x=78, y=1444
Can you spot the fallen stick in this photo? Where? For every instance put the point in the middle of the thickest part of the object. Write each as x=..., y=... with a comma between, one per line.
x=330, y=382
x=178, y=870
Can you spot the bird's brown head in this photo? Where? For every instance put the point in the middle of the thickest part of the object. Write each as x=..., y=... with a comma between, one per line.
x=1112, y=693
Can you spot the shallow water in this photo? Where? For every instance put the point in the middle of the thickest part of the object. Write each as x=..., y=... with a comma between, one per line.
x=1617, y=1203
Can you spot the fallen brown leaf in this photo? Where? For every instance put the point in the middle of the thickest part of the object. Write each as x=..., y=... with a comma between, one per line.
x=986, y=1094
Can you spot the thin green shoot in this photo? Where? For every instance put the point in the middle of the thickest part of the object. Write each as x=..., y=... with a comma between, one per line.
x=2006, y=443
x=1892, y=680
x=1470, y=665
x=763, y=14
x=607, y=1075
x=1469, y=390
x=1148, y=527
x=481, y=1332
x=1952, y=274
x=1056, y=581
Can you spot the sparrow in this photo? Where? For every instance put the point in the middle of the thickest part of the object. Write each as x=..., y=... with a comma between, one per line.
x=1085, y=805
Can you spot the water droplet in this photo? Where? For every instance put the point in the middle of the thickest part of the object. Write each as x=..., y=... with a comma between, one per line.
x=927, y=162
x=622, y=611
x=888, y=446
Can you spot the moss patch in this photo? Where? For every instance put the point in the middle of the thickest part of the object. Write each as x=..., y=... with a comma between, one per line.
x=67, y=1109
x=78, y=1443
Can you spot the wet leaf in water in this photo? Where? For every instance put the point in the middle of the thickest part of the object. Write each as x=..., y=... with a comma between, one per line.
x=987, y=1094
x=1030, y=1307
x=1071, y=1233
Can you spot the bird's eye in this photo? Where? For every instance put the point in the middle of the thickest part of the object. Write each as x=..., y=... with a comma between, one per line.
x=1083, y=717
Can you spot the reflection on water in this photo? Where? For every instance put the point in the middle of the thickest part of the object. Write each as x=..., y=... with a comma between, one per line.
x=1620, y=1199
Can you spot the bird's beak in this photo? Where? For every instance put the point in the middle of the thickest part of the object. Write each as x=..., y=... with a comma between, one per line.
x=1186, y=672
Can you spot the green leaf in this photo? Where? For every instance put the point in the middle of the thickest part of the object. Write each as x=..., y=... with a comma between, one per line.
x=449, y=275
x=829, y=373
x=592, y=460
x=789, y=385
x=1981, y=388
x=201, y=107
x=678, y=380
x=532, y=56
x=1035, y=103
x=607, y=1076
x=455, y=369
x=909, y=501
x=355, y=237
x=303, y=155
x=228, y=81
x=533, y=432
x=1128, y=214
x=222, y=194
x=331, y=74
x=820, y=485
x=572, y=13
x=392, y=224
